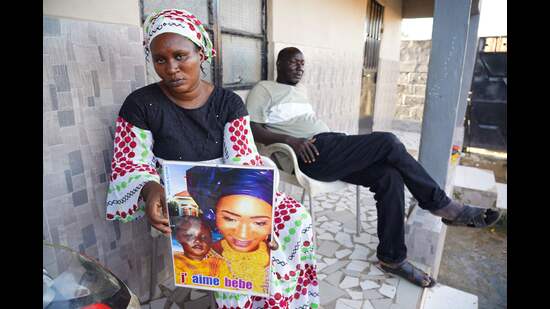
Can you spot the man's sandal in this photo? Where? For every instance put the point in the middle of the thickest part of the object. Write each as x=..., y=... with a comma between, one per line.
x=474, y=217
x=408, y=271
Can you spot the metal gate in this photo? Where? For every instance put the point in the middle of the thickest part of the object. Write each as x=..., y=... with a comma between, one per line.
x=374, y=28
x=486, y=114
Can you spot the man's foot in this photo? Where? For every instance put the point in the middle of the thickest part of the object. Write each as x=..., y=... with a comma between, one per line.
x=408, y=271
x=458, y=214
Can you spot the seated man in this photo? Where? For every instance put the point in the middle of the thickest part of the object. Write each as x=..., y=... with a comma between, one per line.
x=280, y=112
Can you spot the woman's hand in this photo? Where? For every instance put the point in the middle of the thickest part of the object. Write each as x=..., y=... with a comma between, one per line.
x=155, y=206
x=304, y=148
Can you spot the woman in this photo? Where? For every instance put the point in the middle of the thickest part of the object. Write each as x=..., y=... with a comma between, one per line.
x=185, y=118
x=241, y=200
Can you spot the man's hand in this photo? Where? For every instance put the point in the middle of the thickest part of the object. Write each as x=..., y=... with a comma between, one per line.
x=155, y=206
x=304, y=148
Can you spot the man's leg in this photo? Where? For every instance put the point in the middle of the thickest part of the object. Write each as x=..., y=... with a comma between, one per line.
x=342, y=155
x=387, y=185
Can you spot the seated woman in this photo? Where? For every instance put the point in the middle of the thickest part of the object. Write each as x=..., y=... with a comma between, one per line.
x=241, y=200
x=185, y=118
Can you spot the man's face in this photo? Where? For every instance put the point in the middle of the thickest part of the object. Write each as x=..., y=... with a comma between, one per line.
x=195, y=239
x=291, y=69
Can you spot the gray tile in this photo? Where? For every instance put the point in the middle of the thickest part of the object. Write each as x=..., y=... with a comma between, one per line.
x=327, y=248
x=334, y=267
x=69, y=181
x=102, y=178
x=66, y=118
x=88, y=236
x=75, y=162
x=51, y=26
x=95, y=82
x=91, y=102
x=121, y=89
x=329, y=293
x=80, y=198
x=61, y=77
x=140, y=75
x=113, y=245
x=133, y=34
x=70, y=52
x=381, y=303
x=334, y=278
x=107, y=161
x=100, y=51
x=53, y=95
x=79, y=182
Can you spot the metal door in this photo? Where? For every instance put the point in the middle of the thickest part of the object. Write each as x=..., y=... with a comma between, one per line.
x=374, y=25
x=486, y=115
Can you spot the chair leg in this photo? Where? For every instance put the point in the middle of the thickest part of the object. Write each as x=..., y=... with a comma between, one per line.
x=153, y=269
x=311, y=209
x=358, y=212
x=303, y=196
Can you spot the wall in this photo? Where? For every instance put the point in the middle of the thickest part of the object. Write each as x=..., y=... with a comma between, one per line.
x=89, y=67
x=331, y=36
x=413, y=74
x=388, y=67
x=108, y=11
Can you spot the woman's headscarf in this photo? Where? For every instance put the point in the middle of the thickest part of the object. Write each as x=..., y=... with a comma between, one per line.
x=180, y=22
x=207, y=185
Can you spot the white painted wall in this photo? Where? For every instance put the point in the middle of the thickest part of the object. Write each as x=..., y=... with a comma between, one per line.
x=110, y=11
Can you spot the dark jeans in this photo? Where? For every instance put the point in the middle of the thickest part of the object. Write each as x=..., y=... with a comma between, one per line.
x=378, y=161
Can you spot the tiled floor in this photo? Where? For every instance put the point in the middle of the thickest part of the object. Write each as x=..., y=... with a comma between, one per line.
x=348, y=276
x=346, y=263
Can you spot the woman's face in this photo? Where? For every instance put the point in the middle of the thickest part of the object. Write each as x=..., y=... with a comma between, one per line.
x=195, y=239
x=177, y=62
x=244, y=221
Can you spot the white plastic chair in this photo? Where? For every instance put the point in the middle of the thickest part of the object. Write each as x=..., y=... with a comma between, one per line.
x=295, y=176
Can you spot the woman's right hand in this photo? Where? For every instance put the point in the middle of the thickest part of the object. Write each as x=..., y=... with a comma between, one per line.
x=155, y=206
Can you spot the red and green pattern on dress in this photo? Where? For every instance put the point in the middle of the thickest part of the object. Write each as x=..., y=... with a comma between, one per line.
x=132, y=166
x=239, y=143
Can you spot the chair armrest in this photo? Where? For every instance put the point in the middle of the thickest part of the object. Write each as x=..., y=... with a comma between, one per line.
x=285, y=149
x=268, y=162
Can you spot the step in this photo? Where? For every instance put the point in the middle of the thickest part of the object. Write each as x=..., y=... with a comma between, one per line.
x=475, y=186
x=442, y=296
x=502, y=196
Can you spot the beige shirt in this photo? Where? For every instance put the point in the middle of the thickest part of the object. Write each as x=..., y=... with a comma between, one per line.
x=284, y=109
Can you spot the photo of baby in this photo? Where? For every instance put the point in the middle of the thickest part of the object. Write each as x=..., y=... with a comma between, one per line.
x=194, y=235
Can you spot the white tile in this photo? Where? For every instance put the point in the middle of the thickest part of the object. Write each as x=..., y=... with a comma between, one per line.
x=350, y=231
x=369, y=284
x=392, y=281
x=364, y=238
x=360, y=253
x=367, y=305
x=158, y=304
x=474, y=178
x=340, y=254
x=330, y=261
x=344, y=239
x=355, y=295
x=374, y=271
x=372, y=246
x=322, y=219
x=387, y=290
x=357, y=266
x=321, y=265
x=349, y=282
x=325, y=236
x=321, y=277
x=372, y=231
x=502, y=196
x=334, y=278
x=343, y=303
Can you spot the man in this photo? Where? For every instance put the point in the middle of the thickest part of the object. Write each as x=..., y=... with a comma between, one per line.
x=280, y=112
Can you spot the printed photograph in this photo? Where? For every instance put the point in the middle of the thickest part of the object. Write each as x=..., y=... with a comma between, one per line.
x=221, y=219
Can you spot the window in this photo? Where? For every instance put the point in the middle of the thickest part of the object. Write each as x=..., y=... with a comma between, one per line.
x=237, y=29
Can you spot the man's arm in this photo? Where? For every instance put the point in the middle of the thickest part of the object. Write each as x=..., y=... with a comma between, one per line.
x=304, y=148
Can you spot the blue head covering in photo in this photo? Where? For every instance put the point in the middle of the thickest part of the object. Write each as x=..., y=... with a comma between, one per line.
x=207, y=185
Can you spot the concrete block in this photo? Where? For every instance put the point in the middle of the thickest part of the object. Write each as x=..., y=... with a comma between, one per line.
x=475, y=186
x=442, y=296
x=502, y=196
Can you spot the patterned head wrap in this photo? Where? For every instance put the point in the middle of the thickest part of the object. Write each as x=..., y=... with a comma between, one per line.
x=208, y=184
x=180, y=22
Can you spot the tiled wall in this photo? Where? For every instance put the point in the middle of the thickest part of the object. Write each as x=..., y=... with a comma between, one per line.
x=89, y=69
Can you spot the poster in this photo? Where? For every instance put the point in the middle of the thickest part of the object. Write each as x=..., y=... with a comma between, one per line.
x=221, y=218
